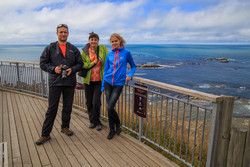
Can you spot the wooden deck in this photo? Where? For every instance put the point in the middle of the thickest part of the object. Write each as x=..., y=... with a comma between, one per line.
x=21, y=118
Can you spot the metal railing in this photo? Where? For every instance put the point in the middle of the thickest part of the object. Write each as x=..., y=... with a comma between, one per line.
x=181, y=122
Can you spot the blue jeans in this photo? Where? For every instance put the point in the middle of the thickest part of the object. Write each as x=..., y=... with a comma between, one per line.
x=112, y=95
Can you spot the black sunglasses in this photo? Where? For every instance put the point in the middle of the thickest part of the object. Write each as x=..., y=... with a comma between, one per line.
x=62, y=25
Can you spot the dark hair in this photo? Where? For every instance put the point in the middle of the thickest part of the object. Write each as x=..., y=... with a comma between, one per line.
x=93, y=35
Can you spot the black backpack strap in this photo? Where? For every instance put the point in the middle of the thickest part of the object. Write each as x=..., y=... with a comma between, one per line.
x=97, y=54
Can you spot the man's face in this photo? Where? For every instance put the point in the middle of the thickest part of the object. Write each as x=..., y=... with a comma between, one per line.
x=62, y=34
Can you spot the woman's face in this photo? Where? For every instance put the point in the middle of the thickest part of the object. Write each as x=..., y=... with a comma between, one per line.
x=115, y=42
x=93, y=42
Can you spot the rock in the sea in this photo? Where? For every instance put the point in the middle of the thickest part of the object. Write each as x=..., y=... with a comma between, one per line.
x=221, y=60
x=148, y=66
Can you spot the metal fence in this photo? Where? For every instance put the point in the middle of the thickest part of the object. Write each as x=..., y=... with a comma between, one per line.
x=179, y=122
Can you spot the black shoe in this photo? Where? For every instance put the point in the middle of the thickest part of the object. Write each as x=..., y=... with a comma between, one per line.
x=91, y=126
x=99, y=127
x=67, y=131
x=118, y=129
x=42, y=140
x=111, y=135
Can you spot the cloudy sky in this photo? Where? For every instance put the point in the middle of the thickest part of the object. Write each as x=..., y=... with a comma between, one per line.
x=138, y=21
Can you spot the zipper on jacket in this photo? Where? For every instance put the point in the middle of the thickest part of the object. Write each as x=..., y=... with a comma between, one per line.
x=114, y=66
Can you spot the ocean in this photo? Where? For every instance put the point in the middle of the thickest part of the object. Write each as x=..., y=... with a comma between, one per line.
x=197, y=67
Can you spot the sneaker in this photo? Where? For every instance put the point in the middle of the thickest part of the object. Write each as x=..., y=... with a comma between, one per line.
x=42, y=140
x=67, y=131
x=99, y=127
x=91, y=126
x=118, y=130
x=111, y=135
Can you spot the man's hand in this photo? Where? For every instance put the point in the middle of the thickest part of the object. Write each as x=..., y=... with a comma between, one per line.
x=69, y=71
x=58, y=70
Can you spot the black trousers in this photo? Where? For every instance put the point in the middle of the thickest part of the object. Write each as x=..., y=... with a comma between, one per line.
x=93, y=101
x=112, y=95
x=54, y=98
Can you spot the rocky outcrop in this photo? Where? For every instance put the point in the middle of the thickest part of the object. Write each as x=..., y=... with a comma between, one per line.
x=221, y=60
x=149, y=66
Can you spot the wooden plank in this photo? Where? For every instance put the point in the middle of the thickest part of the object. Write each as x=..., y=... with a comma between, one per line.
x=26, y=123
x=236, y=147
x=90, y=135
x=46, y=154
x=115, y=150
x=246, y=160
x=82, y=135
x=222, y=126
x=22, y=140
x=6, y=128
x=194, y=93
x=5, y=155
x=1, y=154
x=64, y=144
x=13, y=132
x=71, y=141
x=158, y=158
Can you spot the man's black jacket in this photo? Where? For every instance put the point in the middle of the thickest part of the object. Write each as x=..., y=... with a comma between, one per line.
x=52, y=56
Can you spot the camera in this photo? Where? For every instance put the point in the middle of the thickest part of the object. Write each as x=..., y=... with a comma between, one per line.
x=64, y=72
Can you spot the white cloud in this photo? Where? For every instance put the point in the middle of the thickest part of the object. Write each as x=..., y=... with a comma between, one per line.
x=139, y=21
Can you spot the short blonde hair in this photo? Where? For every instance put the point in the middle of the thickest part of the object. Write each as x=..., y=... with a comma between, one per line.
x=120, y=39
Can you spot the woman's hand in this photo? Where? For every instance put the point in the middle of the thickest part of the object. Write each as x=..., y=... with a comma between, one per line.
x=128, y=78
x=96, y=61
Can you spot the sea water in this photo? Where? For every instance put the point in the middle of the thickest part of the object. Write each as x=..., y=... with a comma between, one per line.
x=189, y=66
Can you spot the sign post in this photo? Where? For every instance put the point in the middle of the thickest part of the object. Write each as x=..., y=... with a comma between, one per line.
x=140, y=100
x=140, y=105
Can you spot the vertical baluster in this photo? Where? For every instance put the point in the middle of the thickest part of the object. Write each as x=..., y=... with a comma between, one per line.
x=176, y=126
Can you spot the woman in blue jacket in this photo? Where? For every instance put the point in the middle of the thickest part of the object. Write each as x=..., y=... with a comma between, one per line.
x=114, y=79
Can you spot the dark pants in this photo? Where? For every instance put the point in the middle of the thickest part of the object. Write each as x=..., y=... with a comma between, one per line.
x=93, y=101
x=54, y=98
x=112, y=95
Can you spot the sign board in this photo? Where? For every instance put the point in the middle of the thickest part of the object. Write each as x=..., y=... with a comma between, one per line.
x=140, y=100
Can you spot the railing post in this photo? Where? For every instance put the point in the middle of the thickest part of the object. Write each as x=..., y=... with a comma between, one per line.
x=43, y=84
x=140, y=128
x=1, y=74
x=220, y=132
x=18, y=77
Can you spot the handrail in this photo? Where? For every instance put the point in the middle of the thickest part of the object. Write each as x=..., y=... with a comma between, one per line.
x=19, y=62
x=190, y=92
x=194, y=93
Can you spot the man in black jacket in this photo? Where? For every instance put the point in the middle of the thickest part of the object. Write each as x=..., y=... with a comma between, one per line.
x=61, y=60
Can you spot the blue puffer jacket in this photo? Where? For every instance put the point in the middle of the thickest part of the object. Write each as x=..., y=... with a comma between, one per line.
x=116, y=67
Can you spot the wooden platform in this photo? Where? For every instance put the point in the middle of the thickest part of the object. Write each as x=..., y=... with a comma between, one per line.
x=21, y=118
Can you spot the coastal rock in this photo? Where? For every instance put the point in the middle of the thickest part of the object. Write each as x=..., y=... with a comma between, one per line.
x=149, y=66
x=221, y=60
